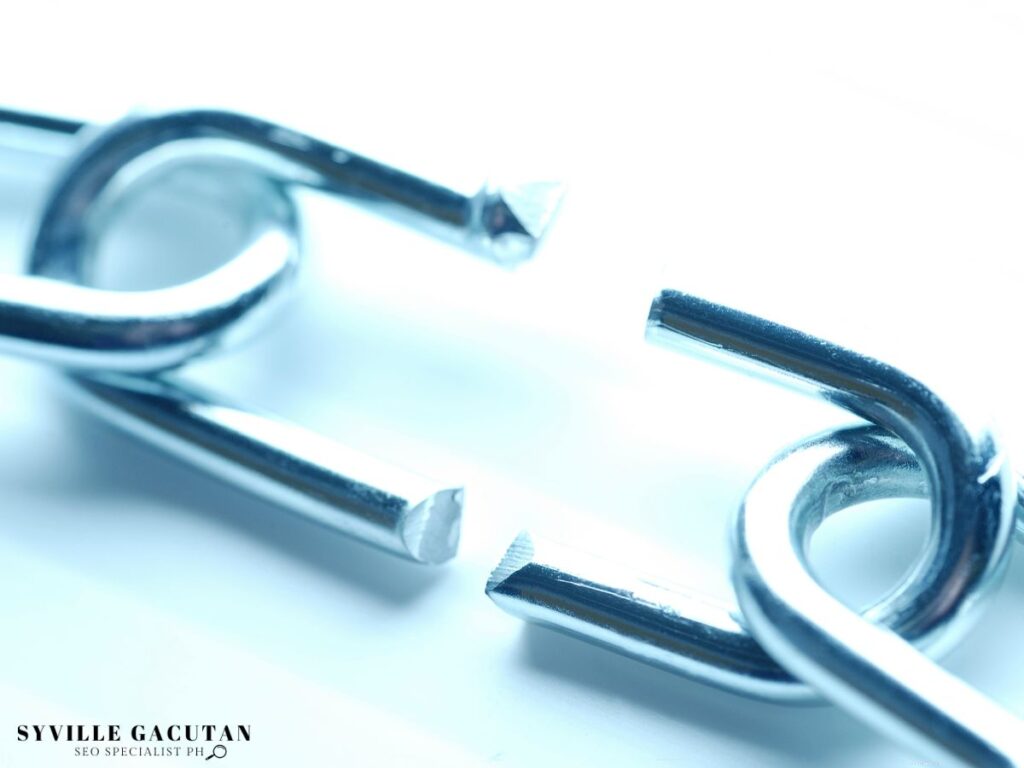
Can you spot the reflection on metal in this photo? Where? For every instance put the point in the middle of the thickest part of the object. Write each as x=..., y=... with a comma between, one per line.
x=54, y=316
x=786, y=628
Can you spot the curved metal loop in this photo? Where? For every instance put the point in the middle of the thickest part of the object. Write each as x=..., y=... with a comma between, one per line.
x=400, y=512
x=668, y=625
x=861, y=666
x=656, y=622
x=973, y=490
x=87, y=328
x=503, y=223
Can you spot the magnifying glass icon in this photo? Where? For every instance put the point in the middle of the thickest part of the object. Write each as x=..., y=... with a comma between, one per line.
x=219, y=751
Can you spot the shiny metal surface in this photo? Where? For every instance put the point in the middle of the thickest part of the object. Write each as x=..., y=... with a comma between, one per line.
x=643, y=616
x=663, y=623
x=1020, y=509
x=865, y=668
x=88, y=328
x=968, y=547
x=414, y=518
x=504, y=223
x=308, y=474
x=973, y=489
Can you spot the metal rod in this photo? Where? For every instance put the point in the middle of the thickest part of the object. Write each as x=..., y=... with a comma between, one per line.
x=636, y=614
x=663, y=623
x=308, y=474
x=965, y=468
x=867, y=669
x=84, y=327
x=404, y=514
x=504, y=223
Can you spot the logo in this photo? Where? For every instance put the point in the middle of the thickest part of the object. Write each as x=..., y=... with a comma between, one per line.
x=204, y=742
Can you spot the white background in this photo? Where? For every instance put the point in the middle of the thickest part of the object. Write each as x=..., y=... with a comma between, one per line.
x=857, y=169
